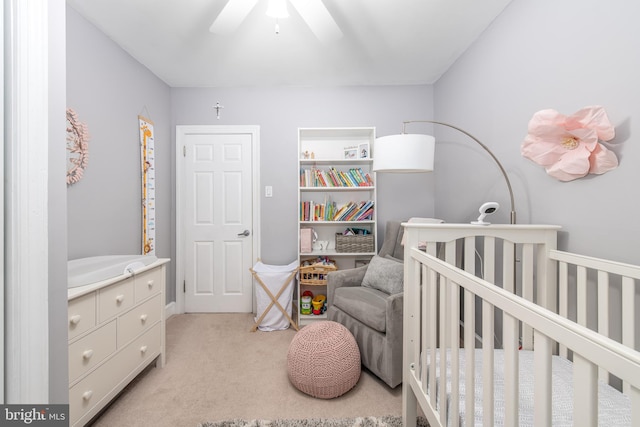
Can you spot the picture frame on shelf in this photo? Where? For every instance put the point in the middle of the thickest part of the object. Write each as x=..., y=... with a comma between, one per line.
x=363, y=150
x=351, y=153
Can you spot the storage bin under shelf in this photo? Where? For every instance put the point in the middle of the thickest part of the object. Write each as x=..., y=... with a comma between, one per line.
x=356, y=243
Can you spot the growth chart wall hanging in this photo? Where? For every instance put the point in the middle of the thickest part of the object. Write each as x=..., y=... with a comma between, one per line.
x=148, y=186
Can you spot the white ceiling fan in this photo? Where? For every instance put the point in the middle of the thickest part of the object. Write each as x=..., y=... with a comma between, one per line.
x=314, y=13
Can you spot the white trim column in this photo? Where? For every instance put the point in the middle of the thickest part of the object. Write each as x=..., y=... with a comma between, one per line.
x=26, y=199
x=2, y=132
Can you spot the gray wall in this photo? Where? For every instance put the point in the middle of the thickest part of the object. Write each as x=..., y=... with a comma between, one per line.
x=109, y=89
x=536, y=55
x=280, y=112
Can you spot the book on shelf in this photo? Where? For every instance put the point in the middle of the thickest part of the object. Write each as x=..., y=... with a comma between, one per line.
x=313, y=211
x=354, y=177
x=328, y=211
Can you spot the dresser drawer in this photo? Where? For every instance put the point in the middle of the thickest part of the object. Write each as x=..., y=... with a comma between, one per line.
x=115, y=299
x=107, y=380
x=92, y=349
x=139, y=319
x=149, y=283
x=141, y=351
x=82, y=314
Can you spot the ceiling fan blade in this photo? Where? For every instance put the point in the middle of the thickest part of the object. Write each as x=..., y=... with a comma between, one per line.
x=318, y=19
x=232, y=16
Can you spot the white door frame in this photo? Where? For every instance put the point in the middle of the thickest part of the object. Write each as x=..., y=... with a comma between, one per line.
x=182, y=130
x=26, y=185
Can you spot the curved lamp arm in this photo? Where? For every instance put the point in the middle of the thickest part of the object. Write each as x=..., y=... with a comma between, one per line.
x=504, y=173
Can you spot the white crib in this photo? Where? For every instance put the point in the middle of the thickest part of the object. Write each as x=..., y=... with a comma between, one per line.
x=553, y=351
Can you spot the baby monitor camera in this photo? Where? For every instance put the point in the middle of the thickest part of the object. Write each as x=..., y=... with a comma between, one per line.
x=486, y=209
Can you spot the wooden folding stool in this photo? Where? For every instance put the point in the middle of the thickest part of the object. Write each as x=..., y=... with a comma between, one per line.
x=274, y=299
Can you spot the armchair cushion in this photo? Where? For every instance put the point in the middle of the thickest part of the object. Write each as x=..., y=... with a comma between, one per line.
x=368, y=305
x=384, y=275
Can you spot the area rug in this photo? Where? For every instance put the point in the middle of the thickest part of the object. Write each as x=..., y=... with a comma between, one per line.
x=385, y=421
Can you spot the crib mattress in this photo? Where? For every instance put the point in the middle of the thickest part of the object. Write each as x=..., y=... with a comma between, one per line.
x=614, y=408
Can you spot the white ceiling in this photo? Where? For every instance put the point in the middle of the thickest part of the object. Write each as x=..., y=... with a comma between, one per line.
x=385, y=42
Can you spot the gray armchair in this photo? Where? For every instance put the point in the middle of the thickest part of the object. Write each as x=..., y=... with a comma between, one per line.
x=370, y=306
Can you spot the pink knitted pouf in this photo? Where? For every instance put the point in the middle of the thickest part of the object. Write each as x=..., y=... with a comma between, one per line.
x=324, y=360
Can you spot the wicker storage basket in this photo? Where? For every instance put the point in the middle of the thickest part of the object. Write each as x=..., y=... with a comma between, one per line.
x=316, y=274
x=354, y=243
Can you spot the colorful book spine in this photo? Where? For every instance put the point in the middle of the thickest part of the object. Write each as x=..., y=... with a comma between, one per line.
x=354, y=177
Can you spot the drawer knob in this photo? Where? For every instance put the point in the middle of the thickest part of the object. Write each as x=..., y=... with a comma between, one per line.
x=87, y=395
x=87, y=354
x=150, y=284
x=75, y=319
x=120, y=298
x=143, y=349
x=143, y=318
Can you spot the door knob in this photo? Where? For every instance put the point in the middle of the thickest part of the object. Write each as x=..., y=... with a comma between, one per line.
x=245, y=233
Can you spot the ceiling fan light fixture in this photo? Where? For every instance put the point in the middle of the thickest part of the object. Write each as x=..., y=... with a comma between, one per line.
x=277, y=9
x=319, y=20
x=232, y=16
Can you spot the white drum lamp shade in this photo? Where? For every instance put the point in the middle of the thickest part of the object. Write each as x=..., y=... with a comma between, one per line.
x=404, y=153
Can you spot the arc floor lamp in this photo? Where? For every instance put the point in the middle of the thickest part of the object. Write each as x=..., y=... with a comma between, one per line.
x=415, y=153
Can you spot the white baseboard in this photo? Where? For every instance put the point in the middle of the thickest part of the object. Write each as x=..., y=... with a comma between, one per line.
x=170, y=310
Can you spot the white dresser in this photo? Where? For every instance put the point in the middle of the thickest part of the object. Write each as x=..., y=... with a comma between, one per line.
x=116, y=329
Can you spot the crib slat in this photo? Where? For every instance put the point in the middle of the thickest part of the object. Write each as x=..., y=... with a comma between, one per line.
x=433, y=335
x=431, y=345
x=511, y=388
x=443, y=307
x=542, y=380
x=603, y=314
x=455, y=349
x=563, y=306
x=489, y=259
x=527, y=263
x=449, y=257
x=470, y=355
x=409, y=398
x=470, y=254
x=585, y=392
x=634, y=394
x=628, y=312
x=488, y=332
x=414, y=303
x=628, y=294
x=581, y=288
x=424, y=326
x=469, y=332
x=508, y=266
x=488, y=329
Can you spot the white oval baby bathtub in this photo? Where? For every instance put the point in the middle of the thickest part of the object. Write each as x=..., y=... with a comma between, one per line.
x=84, y=271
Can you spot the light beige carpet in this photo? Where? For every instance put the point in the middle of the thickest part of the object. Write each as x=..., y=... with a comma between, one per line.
x=217, y=370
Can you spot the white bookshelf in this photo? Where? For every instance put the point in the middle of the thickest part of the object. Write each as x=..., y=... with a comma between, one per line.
x=322, y=149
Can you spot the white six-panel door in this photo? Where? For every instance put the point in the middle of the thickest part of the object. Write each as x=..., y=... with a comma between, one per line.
x=216, y=217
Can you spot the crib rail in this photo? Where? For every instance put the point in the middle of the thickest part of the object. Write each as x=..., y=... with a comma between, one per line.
x=585, y=282
x=514, y=257
x=519, y=267
x=590, y=349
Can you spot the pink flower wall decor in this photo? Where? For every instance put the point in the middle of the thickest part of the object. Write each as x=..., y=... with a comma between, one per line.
x=568, y=146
